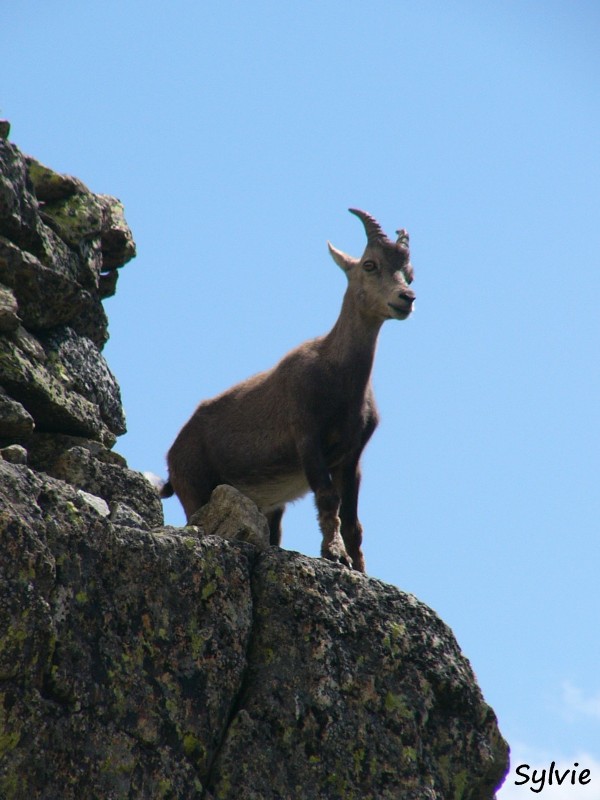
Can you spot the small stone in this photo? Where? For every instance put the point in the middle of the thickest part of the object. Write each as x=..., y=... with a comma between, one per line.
x=97, y=503
x=9, y=311
x=117, y=242
x=29, y=345
x=16, y=423
x=14, y=454
x=231, y=515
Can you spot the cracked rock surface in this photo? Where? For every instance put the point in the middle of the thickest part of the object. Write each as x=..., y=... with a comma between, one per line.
x=120, y=649
x=160, y=663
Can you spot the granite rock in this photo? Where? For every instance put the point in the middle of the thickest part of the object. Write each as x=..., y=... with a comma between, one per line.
x=148, y=664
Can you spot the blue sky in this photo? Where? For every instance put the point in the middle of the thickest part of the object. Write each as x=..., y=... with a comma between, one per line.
x=237, y=135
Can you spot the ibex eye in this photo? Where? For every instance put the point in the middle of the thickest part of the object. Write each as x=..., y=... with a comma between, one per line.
x=369, y=266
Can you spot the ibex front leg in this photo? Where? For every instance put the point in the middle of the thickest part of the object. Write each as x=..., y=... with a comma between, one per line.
x=347, y=481
x=327, y=501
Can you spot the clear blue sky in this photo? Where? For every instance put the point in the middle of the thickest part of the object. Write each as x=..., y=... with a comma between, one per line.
x=237, y=135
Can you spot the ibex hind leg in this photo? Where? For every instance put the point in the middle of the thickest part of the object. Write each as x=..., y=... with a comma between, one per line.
x=274, y=520
x=332, y=547
x=352, y=536
x=192, y=496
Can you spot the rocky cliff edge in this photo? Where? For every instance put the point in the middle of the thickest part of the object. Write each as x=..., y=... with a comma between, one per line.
x=142, y=661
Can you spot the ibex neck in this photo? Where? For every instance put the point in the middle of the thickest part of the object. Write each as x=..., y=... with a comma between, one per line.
x=353, y=339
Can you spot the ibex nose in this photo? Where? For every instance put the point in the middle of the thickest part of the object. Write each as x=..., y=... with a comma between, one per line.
x=407, y=295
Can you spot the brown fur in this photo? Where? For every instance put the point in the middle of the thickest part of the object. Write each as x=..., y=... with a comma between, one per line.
x=303, y=424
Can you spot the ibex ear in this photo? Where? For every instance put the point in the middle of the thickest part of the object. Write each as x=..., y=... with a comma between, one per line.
x=343, y=260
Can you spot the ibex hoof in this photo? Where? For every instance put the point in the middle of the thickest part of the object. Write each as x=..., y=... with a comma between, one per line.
x=337, y=554
x=358, y=563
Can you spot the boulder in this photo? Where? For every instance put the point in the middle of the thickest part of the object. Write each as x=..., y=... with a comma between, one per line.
x=354, y=689
x=46, y=297
x=84, y=368
x=16, y=424
x=46, y=397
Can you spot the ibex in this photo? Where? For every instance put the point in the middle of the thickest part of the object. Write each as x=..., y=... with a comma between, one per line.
x=303, y=424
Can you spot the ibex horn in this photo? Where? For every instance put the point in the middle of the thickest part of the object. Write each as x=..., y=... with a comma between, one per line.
x=402, y=239
x=372, y=227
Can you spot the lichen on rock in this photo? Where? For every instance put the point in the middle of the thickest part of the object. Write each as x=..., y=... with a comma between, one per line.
x=59, y=242
x=118, y=647
x=365, y=682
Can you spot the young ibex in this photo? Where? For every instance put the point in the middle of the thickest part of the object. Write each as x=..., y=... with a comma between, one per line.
x=303, y=424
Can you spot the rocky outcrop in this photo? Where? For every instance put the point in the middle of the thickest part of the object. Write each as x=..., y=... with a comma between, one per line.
x=165, y=664
x=60, y=248
x=143, y=661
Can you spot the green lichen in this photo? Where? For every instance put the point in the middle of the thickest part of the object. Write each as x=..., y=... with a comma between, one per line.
x=11, y=644
x=110, y=766
x=396, y=704
x=9, y=739
x=394, y=638
x=8, y=742
x=73, y=513
x=209, y=590
x=49, y=185
x=223, y=789
x=409, y=755
x=11, y=784
x=197, y=643
x=164, y=788
x=358, y=757
x=460, y=784
x=75, y=218
x=38, y=172
x=343, y=787
x=58, y=369
x=119, y=701
x=194, y=749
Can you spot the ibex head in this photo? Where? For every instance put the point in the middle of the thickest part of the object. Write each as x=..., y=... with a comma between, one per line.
x=380, y=278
